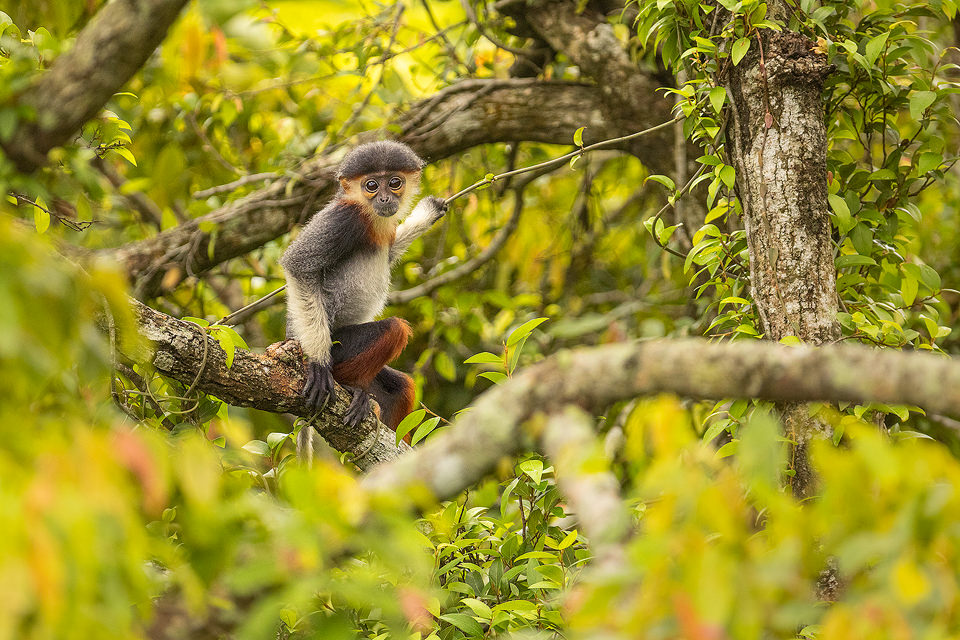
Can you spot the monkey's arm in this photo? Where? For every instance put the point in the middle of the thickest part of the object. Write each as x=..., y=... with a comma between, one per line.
x=333, y=234
x=424, y=215
x=307, y=320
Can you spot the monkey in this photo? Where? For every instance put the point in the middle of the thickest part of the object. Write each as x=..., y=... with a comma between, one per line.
x=338, y=276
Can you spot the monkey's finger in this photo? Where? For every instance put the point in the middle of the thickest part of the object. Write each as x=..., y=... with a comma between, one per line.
x=309, y=379
x=317, y=397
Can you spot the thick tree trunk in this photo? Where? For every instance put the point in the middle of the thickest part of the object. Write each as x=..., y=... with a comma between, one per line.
x=777, y=140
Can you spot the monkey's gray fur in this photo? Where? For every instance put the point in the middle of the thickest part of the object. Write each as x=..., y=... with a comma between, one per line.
x=338, y=268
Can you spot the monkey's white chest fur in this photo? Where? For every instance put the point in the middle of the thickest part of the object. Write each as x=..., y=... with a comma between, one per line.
x=362, y=284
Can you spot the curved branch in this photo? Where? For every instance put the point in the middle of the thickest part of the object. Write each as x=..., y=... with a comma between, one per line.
x=595, y=377
x=107, y=53
x=270, y=382
x=591, y=489
x=470, y=113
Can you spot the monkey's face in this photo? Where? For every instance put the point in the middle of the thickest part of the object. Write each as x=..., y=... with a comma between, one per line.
x=384, y=191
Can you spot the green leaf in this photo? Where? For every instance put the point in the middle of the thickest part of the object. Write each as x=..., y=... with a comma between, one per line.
x=578, y=137
x=728, y=174
x=495, y=377
x=480, y=609
x=539, y=555
x=276, y=439
x=875, y=47
x=199, y=321
x=524, y=330
x=908, y=290
x=412, y=420
x=928, y=162
x=484, y=357
x=930, y=277
x=424, y=430
x=739, y=49
x=41, y=219
x=920, y=101
x=664, y=234
x=718, y=95
x=126, y=154
x=839, y=205
x=728, y=449
x=464, y=622
x=664, y=180
x=226, y=343
x=533, y=468
x=569, y=540
x=716, y=429
x=854, y=260
x=258, y=447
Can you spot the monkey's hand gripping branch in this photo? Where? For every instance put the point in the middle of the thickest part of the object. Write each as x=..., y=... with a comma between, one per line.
x=319, y=384
x=424, y=215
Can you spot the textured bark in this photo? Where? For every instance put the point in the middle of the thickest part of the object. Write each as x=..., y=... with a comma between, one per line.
x=107, y=53
x=271, y=382
x=778, y=145
x=592, y=378
x=588, y=39
x=471, y=113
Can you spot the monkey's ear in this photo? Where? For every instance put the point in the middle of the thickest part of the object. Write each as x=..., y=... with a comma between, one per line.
x=344, y=183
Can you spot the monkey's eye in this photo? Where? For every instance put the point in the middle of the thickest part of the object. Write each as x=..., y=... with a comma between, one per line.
x=396, y=183
x=371, y=186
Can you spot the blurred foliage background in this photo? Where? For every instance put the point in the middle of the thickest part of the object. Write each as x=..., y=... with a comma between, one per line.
x=188, y=520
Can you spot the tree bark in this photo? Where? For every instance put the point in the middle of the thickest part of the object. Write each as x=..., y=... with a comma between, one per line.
x=593, y=378
x=115, y=44
x=270, y=382
x=778, y=145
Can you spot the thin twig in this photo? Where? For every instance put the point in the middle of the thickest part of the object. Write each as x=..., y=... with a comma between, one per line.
x=561, y=159
x=256, y=303
x=75, y=225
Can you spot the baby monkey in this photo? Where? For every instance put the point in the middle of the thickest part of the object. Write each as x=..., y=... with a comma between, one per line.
x=338, y=275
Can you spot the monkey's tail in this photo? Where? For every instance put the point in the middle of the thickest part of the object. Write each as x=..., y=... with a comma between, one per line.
x=305, y=445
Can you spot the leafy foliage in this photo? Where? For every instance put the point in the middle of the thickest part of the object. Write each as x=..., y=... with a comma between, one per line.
x=165, y=510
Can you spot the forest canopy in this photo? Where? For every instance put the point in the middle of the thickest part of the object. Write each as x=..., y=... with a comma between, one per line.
x=684, y=344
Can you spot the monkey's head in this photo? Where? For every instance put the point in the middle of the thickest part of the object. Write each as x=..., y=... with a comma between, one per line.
x=382, y=176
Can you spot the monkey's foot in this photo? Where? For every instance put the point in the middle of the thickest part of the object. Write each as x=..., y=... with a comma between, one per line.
x=358, y=409
x=319, y=384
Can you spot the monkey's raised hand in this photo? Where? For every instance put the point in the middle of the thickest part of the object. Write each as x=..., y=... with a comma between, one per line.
x=319, y=384
x=435, y=207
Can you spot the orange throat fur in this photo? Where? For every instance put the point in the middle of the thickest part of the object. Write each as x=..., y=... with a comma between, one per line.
x=380, y=231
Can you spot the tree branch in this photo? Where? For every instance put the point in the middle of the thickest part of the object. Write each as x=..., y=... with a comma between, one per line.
x=595, y=377
x=270, y=382
x=107, y=53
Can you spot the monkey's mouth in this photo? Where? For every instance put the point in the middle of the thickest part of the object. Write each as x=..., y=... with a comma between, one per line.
x=386, y=210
